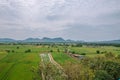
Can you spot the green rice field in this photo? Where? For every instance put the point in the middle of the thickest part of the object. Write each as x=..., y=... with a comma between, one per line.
x=17, y=61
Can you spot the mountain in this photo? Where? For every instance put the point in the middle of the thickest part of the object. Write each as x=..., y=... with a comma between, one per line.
x=59, y=39
x=45, y=39
x=7, y=40
x=31, y=40
x=111, y=42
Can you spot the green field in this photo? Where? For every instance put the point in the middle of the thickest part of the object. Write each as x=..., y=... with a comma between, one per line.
x=62, y=58
x=91, y=50
x=17, y=64
x=17, y=61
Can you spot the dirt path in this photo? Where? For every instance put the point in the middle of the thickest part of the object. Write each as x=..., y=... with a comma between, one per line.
x=46, y=58
x=54, y=62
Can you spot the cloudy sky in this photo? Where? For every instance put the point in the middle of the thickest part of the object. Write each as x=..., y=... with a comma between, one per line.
x=90, y=20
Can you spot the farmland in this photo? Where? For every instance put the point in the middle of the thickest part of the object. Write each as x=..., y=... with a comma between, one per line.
x=21, y=62
x=16, y=64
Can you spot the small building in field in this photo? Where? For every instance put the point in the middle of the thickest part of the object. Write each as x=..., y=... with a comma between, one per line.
x=78, y=56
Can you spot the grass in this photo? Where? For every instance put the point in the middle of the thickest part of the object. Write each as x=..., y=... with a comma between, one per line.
x=17, y=65
x=2, y=55
x=61, y=57
x=91, y=51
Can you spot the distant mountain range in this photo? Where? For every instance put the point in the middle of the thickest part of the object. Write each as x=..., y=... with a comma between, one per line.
x=46, y=39
x=111, y=42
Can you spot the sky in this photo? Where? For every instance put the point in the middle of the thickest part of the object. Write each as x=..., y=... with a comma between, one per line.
x=89, y=20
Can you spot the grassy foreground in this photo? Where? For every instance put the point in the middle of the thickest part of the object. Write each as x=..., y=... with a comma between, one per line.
x=16, y=61
x=22, y=62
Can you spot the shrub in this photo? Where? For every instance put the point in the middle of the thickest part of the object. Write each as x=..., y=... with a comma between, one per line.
x=98, y=52
x=27, y=51
x=8, y=51
x=73, y=52
x=18, y=47
x=112, y=68
x=102, y=75
x=118, y=57
x=13, y=51
x=110, y=55
x=83, y=54
x=51, y=50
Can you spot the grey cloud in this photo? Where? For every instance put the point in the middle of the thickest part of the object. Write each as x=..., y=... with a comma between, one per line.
x=90, y=33
x=54, y=17
x=78, y=19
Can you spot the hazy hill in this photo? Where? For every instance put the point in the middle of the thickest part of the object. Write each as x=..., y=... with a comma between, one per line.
x=45, y=39
x=111, y=41
x=59, y=39
x=7, y=40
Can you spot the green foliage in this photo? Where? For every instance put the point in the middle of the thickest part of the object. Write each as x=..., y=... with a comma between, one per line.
x=102, y=75
x=110, y=55
x=18, y=47
x=73, y=52
x=16, y=65
x=98, y=52
x=118, y=56
x=58, y=50
x=78, y=45
x=112, y=68
x=83, y=54
x=51, y=50
x=77, y=72
x=13, y=51
x=8, y=51
x=28, y=51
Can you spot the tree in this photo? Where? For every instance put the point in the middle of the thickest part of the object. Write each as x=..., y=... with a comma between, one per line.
x=83, y=54
x=13, y=51
x=112, y=68
x=98, y=52
x=27, y=51
x=58, y=50
x=18, y=47
x=78, y=45
x=51, y=50
x=102, y=75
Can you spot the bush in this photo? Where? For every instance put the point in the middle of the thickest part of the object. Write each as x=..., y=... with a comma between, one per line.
x=27, y=51
x=83, y=54
x=102, y=75
x=58, y=50
x=112, y=68
x=98, y=52
x=18, y=47
x=118, y=57
x=13, y=51
x=73, y=52
x=78, y=45
x=51, y=50
x=110, y=55
x=8, y=51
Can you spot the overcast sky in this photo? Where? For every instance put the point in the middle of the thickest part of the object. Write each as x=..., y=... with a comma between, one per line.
x=89, y=20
